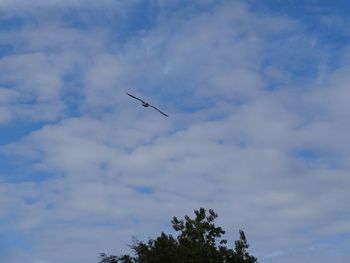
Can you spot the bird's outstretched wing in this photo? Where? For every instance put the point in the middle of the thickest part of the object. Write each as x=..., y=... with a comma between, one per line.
x=159, y=111
x=132, y=96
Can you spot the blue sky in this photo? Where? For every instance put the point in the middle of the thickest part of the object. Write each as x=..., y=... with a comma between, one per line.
x=258, y=97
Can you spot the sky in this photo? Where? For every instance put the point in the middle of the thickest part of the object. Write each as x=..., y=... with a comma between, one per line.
x=258, y=97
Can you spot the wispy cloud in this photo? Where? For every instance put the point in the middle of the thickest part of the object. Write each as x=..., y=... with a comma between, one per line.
x=258, y=127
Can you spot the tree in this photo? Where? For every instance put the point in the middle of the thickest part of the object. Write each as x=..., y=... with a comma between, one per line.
x=199, y=241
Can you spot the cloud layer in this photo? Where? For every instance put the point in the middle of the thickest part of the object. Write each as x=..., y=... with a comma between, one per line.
x=258, y=128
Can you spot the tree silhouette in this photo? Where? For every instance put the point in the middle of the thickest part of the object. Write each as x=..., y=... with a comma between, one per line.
x=199, y=241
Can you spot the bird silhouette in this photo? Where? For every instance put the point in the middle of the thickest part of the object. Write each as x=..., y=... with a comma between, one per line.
x=146, y=104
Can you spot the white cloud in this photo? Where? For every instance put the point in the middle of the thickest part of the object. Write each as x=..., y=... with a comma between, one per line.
x=119, y=169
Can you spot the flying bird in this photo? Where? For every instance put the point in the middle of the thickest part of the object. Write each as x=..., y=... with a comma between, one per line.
x=146, y=104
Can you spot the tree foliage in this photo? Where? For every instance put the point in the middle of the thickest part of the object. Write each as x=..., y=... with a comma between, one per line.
x=199, y=241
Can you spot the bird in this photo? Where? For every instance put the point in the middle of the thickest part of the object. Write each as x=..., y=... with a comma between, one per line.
x=146, y=104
